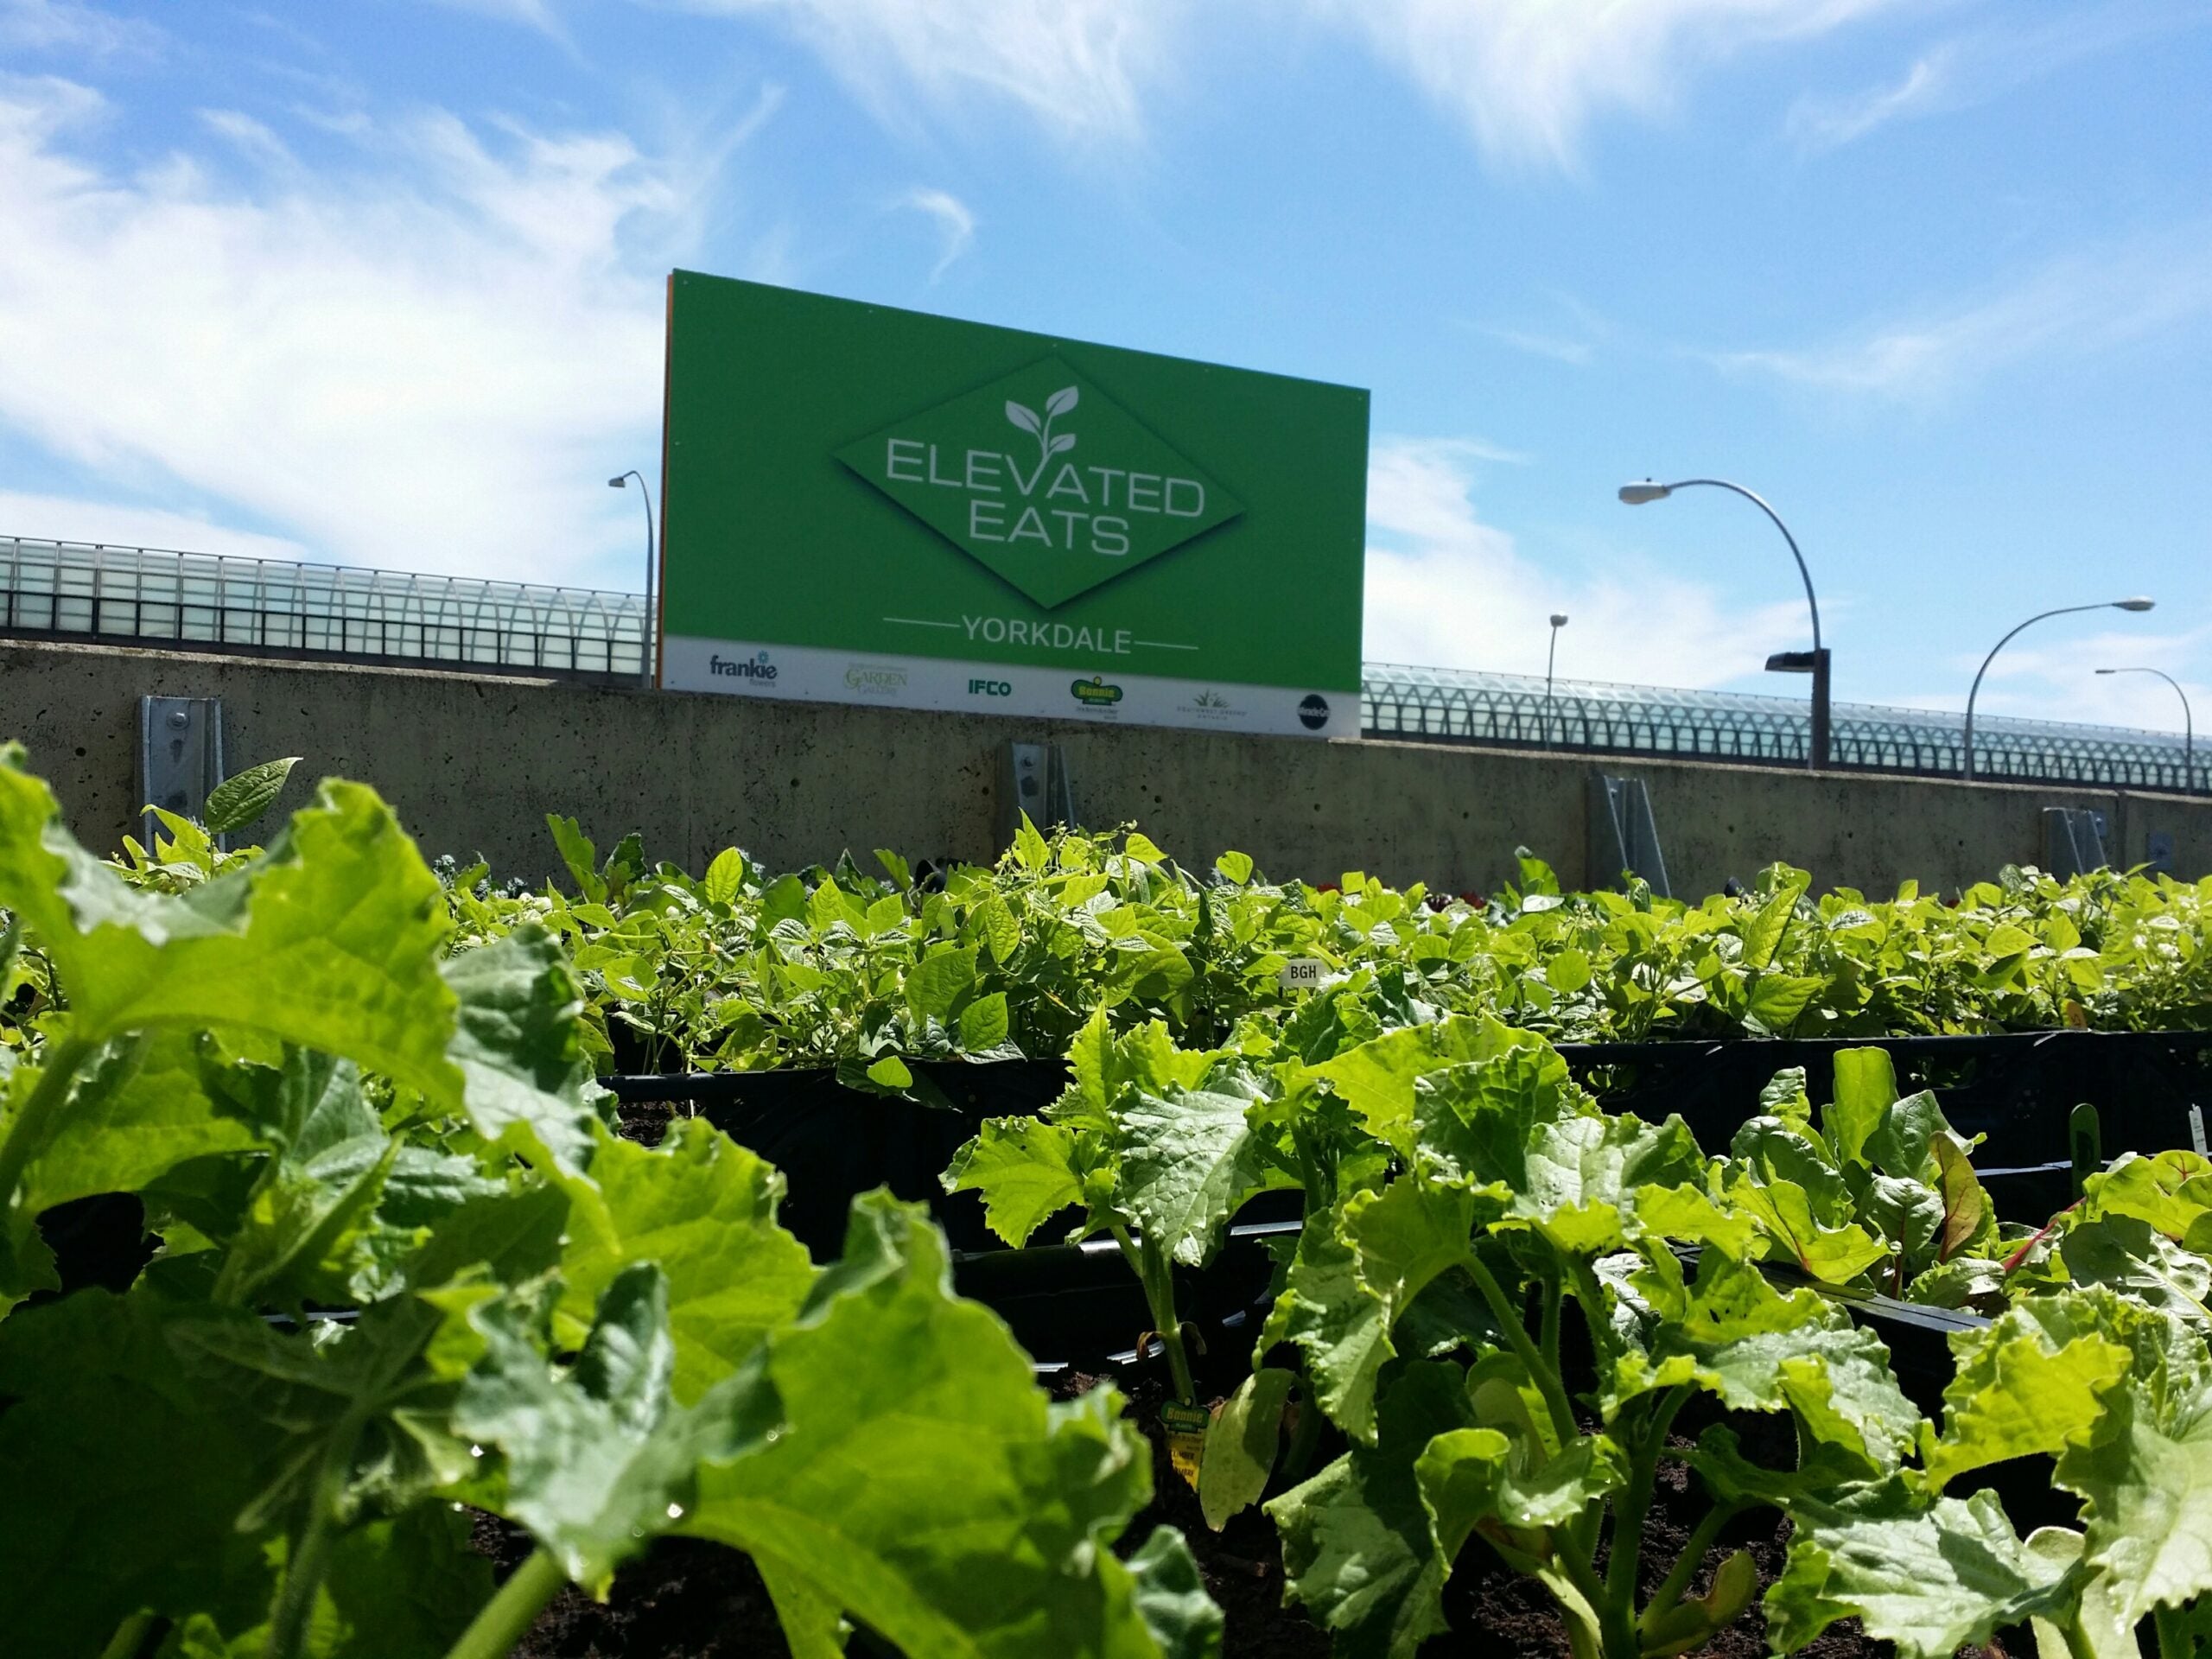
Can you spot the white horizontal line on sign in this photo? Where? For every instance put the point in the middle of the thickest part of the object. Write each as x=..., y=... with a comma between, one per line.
x=918, y=622
x=1162, y=645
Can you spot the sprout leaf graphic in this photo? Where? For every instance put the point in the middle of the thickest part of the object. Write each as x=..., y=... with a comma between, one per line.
x=1025, y=417
x=1061, y=401
x=1060, y=445
x=1055, y=406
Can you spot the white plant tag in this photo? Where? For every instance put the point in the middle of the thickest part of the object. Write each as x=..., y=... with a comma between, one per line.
x=1302, y=973
x=2196, y=1129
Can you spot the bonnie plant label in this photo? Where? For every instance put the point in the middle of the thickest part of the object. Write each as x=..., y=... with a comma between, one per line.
x=866, y=504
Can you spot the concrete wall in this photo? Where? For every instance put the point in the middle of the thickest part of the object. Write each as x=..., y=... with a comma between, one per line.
x=475, y=763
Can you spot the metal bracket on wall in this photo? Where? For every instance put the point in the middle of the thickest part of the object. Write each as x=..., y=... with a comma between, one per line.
x=179, y=755
x=2073, y=840
x=1623, y=836
x=1034, y=778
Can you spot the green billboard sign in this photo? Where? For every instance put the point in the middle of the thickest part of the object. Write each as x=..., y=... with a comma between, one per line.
x=869, y=505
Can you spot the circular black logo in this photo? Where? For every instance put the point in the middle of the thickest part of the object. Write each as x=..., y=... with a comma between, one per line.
x=1313, y=713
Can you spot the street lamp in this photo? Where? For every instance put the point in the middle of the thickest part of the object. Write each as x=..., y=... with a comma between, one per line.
x=2137, y=604
x=1551, y=656
x=2188, y=727
x=1787, y=662
x=647, y=643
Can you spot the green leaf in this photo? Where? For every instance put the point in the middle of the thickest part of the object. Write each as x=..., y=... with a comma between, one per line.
x=1171, y=1597
x=1930, y=1579
x=2027, y=1384
x=137, y=1113
x=1001, y=932
x=598, y=1456
x=2146, y=1480
x=983, y=1022
x=1763, y=933
x=703, y=1209
x=1471, y=1475
x=937, y=982
x=2172, y=1192
x=891, y=1073
x=1360, y=1549
x=1241, y=1445
x=1834, y=1256
x=901, y=872
x=1025, y=1168
x=126, y=1471
x=924, y=1482
x=329, y=938
x=2097, y=1630
x=1029, y=849
x=725, y=877
x=1377, y=1078
x=580, y=854
x=1866, y=1087
x=1189, y=1162
x=1237, y=866
x=519, y=1044
x=244, y=796
x=2140, y=1262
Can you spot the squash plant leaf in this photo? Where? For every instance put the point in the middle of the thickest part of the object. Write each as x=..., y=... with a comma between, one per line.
x=924, y=1484
x=244, y=796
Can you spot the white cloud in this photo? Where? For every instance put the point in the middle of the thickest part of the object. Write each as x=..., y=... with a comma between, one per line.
x=1075, y=65
x=2018, y=48
x=433, y=361
x=69, y=26
x=2080, y=305
x=1826, y=124
x=2051, y=674
x=112, y=524
x=955, y=222
x=1527, y=76
x=1444, y=589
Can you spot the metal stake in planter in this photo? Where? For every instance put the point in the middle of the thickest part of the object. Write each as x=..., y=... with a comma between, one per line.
x=2073, y=840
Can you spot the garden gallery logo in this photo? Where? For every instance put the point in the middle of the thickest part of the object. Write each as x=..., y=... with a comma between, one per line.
x=872, y=682
x=1094, y=693
x=1043, y=479
x=757, y=667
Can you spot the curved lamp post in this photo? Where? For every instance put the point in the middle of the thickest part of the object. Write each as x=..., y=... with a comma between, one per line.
x=1551, y=656
x=647, y=643
x=2136, y=604
x=1636, y=495
x=2188, y=727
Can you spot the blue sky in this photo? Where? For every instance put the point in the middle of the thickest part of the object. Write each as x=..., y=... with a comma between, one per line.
x=380, y=282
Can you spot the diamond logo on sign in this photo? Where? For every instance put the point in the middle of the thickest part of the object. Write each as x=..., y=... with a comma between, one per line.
x=1044, y=480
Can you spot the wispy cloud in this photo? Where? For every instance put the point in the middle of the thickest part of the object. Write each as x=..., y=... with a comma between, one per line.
x=1982, y=64
x=956, y=224
x=1445, y=587
x=1077, y=66
x=430, y=359
x=1528, y=76
x=1826, y=123
x=2053, y=675
x=71, y=26
x=2081, y=304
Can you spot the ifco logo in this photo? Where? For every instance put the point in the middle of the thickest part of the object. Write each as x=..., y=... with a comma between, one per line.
x=1313, y=713
x=990, y=688
x=758, y=668
x=1094, y=693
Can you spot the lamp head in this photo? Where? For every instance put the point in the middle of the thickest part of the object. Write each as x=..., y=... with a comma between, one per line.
x=2108, y=670
x=1559, y=618
x=2136, y=604
x=622, y=483
x=1637, y=494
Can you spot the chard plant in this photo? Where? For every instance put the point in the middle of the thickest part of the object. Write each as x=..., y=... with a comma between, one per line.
x=403, y=1269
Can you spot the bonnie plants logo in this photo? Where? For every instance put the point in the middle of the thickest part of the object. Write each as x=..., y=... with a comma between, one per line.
x=747, y=668
x=1044, y=480
x=1094, y=693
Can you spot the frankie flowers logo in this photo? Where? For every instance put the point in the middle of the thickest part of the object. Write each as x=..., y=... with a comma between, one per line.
x=1056, y=522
